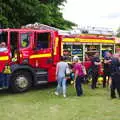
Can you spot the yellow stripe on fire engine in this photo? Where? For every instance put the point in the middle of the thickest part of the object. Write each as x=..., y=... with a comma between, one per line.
x=88, y=40
x=40, y=55
x=56, y=45
x=4, y=58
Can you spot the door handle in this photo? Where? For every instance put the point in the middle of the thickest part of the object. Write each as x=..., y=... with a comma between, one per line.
x=49, y=61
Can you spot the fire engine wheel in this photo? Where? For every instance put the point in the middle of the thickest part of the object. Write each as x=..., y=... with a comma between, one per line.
x=21, y=81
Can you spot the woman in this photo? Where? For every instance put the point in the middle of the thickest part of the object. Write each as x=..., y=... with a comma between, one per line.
x=61, y=68
x=79, y=76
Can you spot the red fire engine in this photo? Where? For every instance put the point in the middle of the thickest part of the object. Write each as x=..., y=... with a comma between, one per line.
x=30, y=58
x=32, y=55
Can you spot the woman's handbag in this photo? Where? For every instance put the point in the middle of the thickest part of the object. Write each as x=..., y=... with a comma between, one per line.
x=84, y=70
x=84, y=78
x=67, y=72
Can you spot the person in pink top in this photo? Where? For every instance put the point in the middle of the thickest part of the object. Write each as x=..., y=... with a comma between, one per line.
x=79, y=76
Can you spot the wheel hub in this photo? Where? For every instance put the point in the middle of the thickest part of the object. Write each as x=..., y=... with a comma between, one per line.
x=22, y=82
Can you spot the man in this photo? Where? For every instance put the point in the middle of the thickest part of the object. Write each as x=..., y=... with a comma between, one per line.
x=106, y=67
x=61, y=76
x=95, y=69
x=115, y=75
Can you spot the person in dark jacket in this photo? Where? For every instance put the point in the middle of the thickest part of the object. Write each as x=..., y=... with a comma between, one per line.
x=115, y=75
x=106, y=68
x=95, y=69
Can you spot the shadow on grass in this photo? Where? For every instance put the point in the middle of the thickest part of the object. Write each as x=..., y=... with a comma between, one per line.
x=47, y=86
x=34, y=88
x=50, y=87
x=5, y=92
x=44, y=86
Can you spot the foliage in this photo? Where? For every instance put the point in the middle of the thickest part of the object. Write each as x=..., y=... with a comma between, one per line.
x=15, y=13
x=55, y=2
x=3, y=21
x=118, y=32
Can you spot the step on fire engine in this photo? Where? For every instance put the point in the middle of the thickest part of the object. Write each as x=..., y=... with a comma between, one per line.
x=29, y=59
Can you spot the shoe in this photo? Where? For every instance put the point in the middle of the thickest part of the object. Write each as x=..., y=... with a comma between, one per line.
x=92, y=87
x=80, y=95
x=64, y=96
x=104, y=86
x=113, y=97
x=5, y=87
x=1, y=88
x=56, y=93
x=96, y=87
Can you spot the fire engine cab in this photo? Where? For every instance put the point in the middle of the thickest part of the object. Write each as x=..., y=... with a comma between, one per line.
x=30, y=58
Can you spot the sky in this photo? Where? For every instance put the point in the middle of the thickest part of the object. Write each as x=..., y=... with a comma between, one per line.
x=95, y=13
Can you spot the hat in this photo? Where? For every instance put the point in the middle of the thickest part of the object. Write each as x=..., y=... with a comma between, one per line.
x=75, y=58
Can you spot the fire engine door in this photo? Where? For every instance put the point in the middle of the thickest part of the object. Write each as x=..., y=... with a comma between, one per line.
x=42, y=51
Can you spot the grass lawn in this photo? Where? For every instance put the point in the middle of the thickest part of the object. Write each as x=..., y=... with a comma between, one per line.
x=42, y=104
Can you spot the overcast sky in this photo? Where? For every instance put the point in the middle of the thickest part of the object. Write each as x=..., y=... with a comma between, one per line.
x=99, y=13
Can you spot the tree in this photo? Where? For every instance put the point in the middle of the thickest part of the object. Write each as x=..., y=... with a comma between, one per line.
x=15, y=13
x=55, y=2
x=118, y=32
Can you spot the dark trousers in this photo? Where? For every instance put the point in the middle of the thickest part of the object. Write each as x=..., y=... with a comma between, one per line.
x=115, y=85
x=104, y=79
x=113, y=95
x=94, y=79
x=79, y=89
x=3, y=80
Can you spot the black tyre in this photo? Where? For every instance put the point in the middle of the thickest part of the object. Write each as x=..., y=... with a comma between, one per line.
x=21, y=81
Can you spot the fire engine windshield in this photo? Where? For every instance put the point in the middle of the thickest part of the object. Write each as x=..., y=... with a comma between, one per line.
x=3, y=41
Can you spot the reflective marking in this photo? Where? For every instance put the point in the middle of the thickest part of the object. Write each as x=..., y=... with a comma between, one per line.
x=4, y=57
x=40, y=55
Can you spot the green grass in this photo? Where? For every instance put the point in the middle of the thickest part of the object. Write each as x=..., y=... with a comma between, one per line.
x=42, y=104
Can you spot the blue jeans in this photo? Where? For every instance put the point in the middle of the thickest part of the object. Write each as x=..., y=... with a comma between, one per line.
x=61, y=87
